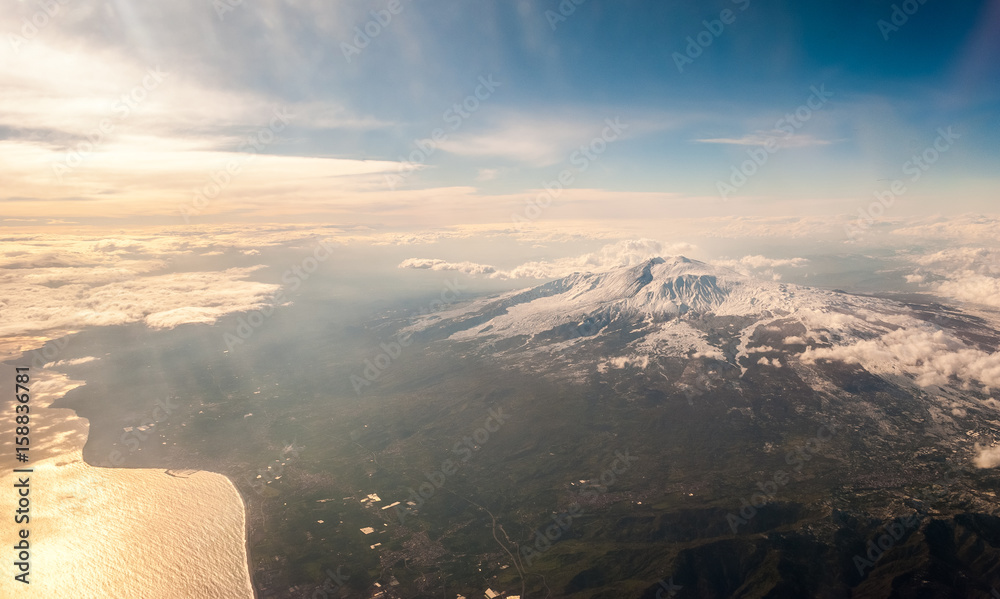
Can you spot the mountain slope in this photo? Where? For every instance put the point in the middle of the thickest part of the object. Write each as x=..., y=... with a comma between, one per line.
x=680, y=307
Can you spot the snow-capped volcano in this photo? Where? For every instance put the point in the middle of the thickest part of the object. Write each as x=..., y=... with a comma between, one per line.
x=682, y=308
x=659, y=289
x=659, y=301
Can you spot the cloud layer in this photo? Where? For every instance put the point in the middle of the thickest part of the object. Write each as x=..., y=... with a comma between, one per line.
x=623, y=253
x=932, y=355
x=53, y=283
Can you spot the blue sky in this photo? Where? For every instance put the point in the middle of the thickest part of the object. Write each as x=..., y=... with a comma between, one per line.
x=357, y=115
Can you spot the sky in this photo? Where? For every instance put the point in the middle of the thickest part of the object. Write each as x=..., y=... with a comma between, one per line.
x=169, y=163
x=407, y=116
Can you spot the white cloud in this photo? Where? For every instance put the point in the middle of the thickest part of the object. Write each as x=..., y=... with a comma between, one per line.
x=436, y=264
x=779, y=139
x=161, y=301
x=59, y=282
x=988, y=457
x=966, y=228
x=73, y=362
x=983, y=260
x=966, y=274
x=971, y=287
x=931, y=355
x=762, y=262
x=615, y=255
x=761, y=266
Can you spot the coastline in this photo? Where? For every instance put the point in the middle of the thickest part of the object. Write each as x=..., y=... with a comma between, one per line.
x=137, y=523
x=246, y=537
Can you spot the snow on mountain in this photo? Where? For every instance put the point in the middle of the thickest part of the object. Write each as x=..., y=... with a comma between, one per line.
x=678, y=307
x=660, y=289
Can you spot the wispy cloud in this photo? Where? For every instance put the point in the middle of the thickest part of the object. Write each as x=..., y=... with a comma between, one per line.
x=540, y=142
x=778, y=138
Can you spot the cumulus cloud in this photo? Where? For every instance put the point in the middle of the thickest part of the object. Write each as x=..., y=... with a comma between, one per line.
x=624, y=362
x=611, y=256
x=988, y=457
x=470, y=268
x=52, y=283
x=969, y=286
x=966, y=274
x=982, y=260
x=966, y=228
x=161, y=301
x=762, y=262
x=758, y=265
x=933, y=357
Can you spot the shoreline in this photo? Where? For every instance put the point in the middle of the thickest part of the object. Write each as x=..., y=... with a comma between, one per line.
x=246, y=537
x=162, y=510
